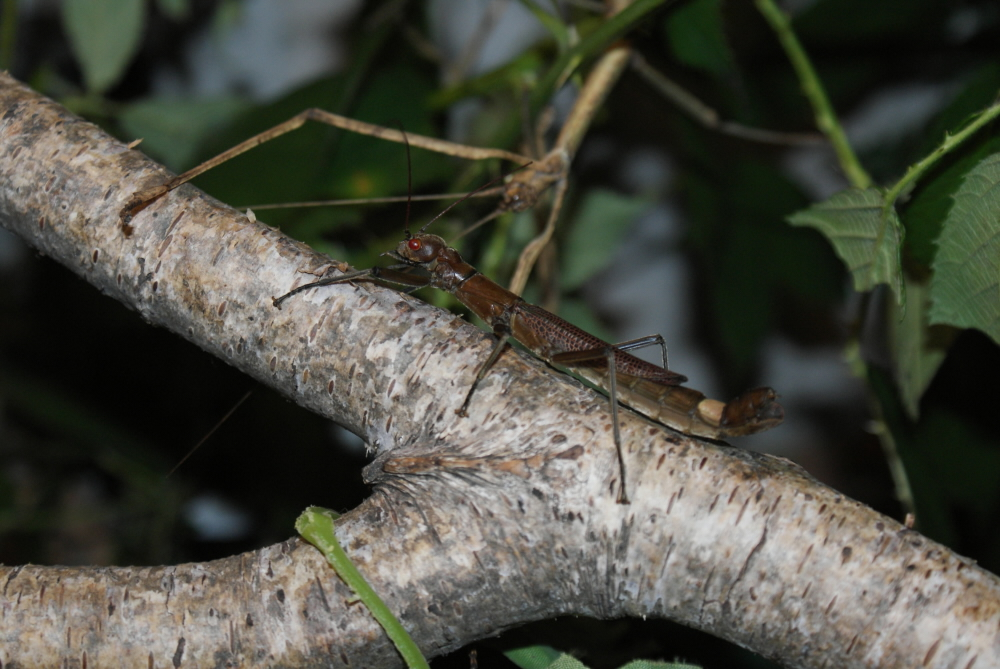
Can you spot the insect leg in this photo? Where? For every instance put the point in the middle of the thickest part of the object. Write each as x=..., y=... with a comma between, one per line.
x=613, y=395
x=502, y=332
x=387, y=274
x=642, y=342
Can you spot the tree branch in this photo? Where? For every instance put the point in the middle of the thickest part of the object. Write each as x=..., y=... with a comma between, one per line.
x=475, y=525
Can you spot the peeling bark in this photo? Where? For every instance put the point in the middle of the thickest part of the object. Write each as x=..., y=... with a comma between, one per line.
x=475, y=525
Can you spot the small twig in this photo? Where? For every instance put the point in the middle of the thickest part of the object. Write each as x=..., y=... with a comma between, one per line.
x=526, y=261
x=708, y=117
x=596, y=88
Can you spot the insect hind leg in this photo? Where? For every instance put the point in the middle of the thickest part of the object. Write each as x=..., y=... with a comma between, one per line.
x=643, y=342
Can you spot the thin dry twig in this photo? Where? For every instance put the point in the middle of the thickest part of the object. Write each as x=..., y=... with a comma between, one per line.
x=708, y=117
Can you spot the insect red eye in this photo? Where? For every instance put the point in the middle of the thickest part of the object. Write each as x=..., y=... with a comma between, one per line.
x=414, y=244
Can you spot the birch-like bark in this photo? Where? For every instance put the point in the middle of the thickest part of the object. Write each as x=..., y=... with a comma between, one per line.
x=475, y=525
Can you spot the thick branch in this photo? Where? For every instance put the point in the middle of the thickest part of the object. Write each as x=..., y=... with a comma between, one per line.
x=475, y=525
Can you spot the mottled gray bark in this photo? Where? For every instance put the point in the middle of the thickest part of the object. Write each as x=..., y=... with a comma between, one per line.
x=475, y=525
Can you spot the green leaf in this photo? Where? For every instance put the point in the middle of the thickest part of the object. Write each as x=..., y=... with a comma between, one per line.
x=602, y=221
x=104, y=35
x=567, y=661
x=175, y=9
x=516, y=74
x=866, y=238
x=546, y=657
x=652, y=664
x=926, y=212
x=697, y=38
x=541, y=657
x=965, y=289
x=917, y=349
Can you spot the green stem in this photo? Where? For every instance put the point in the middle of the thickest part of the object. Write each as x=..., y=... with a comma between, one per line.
x=317, y=527
x=950, y=142
x=826, y=118
x=590, y=45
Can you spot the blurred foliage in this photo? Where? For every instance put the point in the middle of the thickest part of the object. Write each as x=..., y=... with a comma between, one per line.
x=546, y=657
x=105, y=35
x=97, y=407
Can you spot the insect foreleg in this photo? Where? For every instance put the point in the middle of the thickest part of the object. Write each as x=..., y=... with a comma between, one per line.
x=387, y=274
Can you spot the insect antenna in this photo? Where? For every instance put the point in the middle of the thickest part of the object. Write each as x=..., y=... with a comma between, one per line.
x=472, y=194
x=210, y=432
x=409, y=184
x=409, y=196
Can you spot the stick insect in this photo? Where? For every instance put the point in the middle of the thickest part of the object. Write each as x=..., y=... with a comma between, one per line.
x=652, y=390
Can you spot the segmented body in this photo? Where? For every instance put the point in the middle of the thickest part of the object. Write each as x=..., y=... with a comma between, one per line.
x=647, y=388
